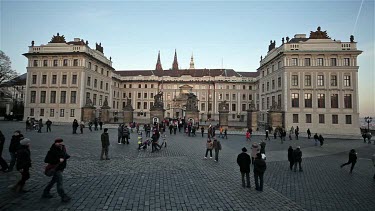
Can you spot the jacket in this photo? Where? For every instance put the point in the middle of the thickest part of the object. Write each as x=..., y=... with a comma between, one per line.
x=262, y=147
x=353, y=156
x=119, y=131
x=209, y=145
x=216, y=145
x=2, y=141
x=254, y=150
x=244, y=161
x=290, y=154
x=54, y=154
x=15, y=143
x=260, y=166
x=23, y=157
x=105, y=140
x=297, y=155
x=126, y=131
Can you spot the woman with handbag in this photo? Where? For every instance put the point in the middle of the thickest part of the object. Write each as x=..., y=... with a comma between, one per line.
x=56, y=159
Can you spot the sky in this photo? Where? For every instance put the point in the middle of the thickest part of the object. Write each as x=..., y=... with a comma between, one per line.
x=228, y=34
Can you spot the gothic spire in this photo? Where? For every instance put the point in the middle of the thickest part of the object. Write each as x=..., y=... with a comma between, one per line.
x=158, y=64
x=175, y=63
x=192, y=62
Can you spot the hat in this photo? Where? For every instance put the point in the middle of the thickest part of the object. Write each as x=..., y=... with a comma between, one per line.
x=244, y=149
x=25, y=141
x=58, y=140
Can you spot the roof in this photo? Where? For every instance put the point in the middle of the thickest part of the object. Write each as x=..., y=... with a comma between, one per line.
x=19, y=80
x=297, y=40
x=189, y=72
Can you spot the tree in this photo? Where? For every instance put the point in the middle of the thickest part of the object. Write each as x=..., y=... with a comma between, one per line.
x=6, y=72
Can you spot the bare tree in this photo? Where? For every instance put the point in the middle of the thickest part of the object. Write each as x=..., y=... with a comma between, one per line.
x=6, y=72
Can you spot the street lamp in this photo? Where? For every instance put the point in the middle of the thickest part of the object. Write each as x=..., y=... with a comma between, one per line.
x=368, y=120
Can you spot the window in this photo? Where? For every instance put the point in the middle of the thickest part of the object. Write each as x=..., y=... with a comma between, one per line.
x=31, y=112
x=152, y=86
x=41, y=112
x=346, y=62
x=88, y=81
x=268, y=86
x=279, y=82
x=320, y=80
x=294, y=80
x=334, y=101
x=33, y=96
x=71, y=112
x=243, y=97
x=321, y=118
x=243, y=107
x=63, y=81
x=106, y=86
x=307, y=80
x=295, y=100
x=347, y=101
x=62, y=112
x=295, y=118
x=145, y=105
x=220, y=96
x=101, y=100
x=53, y=97
x=279, y=100
x=321, y=101
x=250, y=97
x=233, y=96
x=333, y=80
x=210, y=107
x=90, y=65
x=139, y=86
x=63, y=97
x=43, y=97
x=308, y=118
x=102, y=71
x=65, y=62
x=333, y=62
x=263, y=103
x=320, y=62
x=107, y=73
x=262, y=87
x=307, y=62
x=203, y=106
x=74, y=79
x=96, y=70
x=45, y=63
x=294, y=62
x=34, y=79
x=54, y=79
x=227, y=96
x=55, y=63
x=44, y=79
x=35, y=63
x=145, y=85
x=348, y=119
x=273, y=84
x=95, y=83
x=52, y=112
x=308, y=100
x=94, y=99
x=75, y=62
x=335, y=119
x=138, y=105
x=139, y=95
x=73, y=97
x=145, y=95
x=152, y=95
x=268, y=102
x=130, y=95
x=101, y=84
x=234, y=86
x=233, y=107
x=346, y=80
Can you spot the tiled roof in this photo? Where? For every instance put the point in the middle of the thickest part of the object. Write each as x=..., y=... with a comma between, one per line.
x=191, y=72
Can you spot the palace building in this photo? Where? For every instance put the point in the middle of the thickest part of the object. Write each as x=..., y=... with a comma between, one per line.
x=311, y=81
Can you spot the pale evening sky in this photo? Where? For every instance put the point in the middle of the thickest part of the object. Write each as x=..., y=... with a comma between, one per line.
x=235, y=32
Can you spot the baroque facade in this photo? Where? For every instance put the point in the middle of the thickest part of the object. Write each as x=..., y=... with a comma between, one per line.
x=311, y=81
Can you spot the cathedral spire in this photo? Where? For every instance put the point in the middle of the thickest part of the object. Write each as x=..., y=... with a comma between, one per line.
x=192, y=62
x=158, y=64
x=175, y=63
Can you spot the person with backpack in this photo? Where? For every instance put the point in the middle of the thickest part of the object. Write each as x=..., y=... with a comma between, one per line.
x=352, y=160
x=244, y=161
x=217, y=147
x=23, y=164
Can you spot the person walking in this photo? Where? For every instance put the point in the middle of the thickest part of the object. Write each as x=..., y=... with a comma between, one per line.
x=209, y=146
x=202, y=130
x=352, y=160
x=267, y=135
x=316, y=138
x=244, y=161
x=254, y=151
x=28, y=124
x=3, y=163
x=105, y=144
x=221, y=132
x=297, y=157
x=90, y=126
x=75, y=126
x=125, y=135
x=260, y=167
x=225, y=133
x=96, y=124
x=217, y=148
x=155, y=138
x=57, y=156
x=23, y=164
x=321, y=140
x=13, y=147
x=170, y=129
x=40, y=125
x=101, y=125
x=48, y=124
x=248, y=136
x=291, y=157
x=81, y=126
x=174, y=128
x=119, y=133
x=262, y=147
x=296, y=133
x=308, y=133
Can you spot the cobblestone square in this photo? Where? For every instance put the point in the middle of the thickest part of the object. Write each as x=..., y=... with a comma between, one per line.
x=178, y=178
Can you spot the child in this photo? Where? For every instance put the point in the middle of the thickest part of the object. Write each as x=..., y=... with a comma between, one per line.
x=209, y=146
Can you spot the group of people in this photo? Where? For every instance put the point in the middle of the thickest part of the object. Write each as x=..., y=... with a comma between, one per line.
x=31, y=124
x=295, y=158
x=213, y=145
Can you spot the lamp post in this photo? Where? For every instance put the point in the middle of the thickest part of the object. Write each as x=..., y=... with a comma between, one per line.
x=368, y=120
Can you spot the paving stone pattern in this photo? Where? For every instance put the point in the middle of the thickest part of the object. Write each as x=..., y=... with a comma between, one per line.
x=178, y=178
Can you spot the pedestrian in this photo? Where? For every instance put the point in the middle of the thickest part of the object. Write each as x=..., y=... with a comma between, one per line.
x=296, y=133
x=308, y=133
x=28, y=124
x=260, y=167
x=262, y=147
x=3, y=163
x=254, y=151
x=316, y=138
x=57, y=156
x=225, y=133
x=23, y=164
x=297, y=158
x=202, y=130
x=352, y=160
x=75, y=126
x=267, y=135
x=101, y=125
x=373, y=162
x=81, y=126
x=96, y=124
x=217, y=148
x=48, y=124
x=148, y=130
x=119, y=133
x=155, y=139
x=105, y=144
x=321, y=140
x=244, y=161
x=248, y=136
x=291, y=157
x=174, y=129
x=40, y=125
x=221, y=132
x=170, y=129
x=13, y=147
x=125, y=135
x=90, y=126
x=290, y=135
x=209, y=146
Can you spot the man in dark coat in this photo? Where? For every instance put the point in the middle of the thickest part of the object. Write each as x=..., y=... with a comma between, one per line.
x=13, y=147
x=244, y=161
x=290, y=157
x=75, y=126
x=23, y=164
x=57, y=156
x=3, y=163
x=352, y=160
x=40, y=125
x=308, y=133
x=105, y=144
x=321, y=140
x=260, y=167
x=96, y=124
x=125, y=135
x=48, y=123
x=101, y=125
x=297, y=156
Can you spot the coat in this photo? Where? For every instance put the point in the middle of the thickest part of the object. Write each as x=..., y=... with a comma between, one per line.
x=23, y=157
x=260, y=166
x=297, y=155
x=244, y=161
x=54, y=154
x=263, y=147
x=353, y=156
x=290, y=154
x=209, y=145
x=15, y=143
x=254, y=150
x=216, y=145
x=105, y=140
x=120, y=131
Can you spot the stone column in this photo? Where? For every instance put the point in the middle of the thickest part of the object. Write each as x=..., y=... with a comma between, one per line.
x=252, y=119
x=276, y=119
x=88, y=114
x=158, y=113
x=223, y=114
x=128, y=116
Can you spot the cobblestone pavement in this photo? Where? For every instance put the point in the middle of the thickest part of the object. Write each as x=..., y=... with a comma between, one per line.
x=178, y=178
